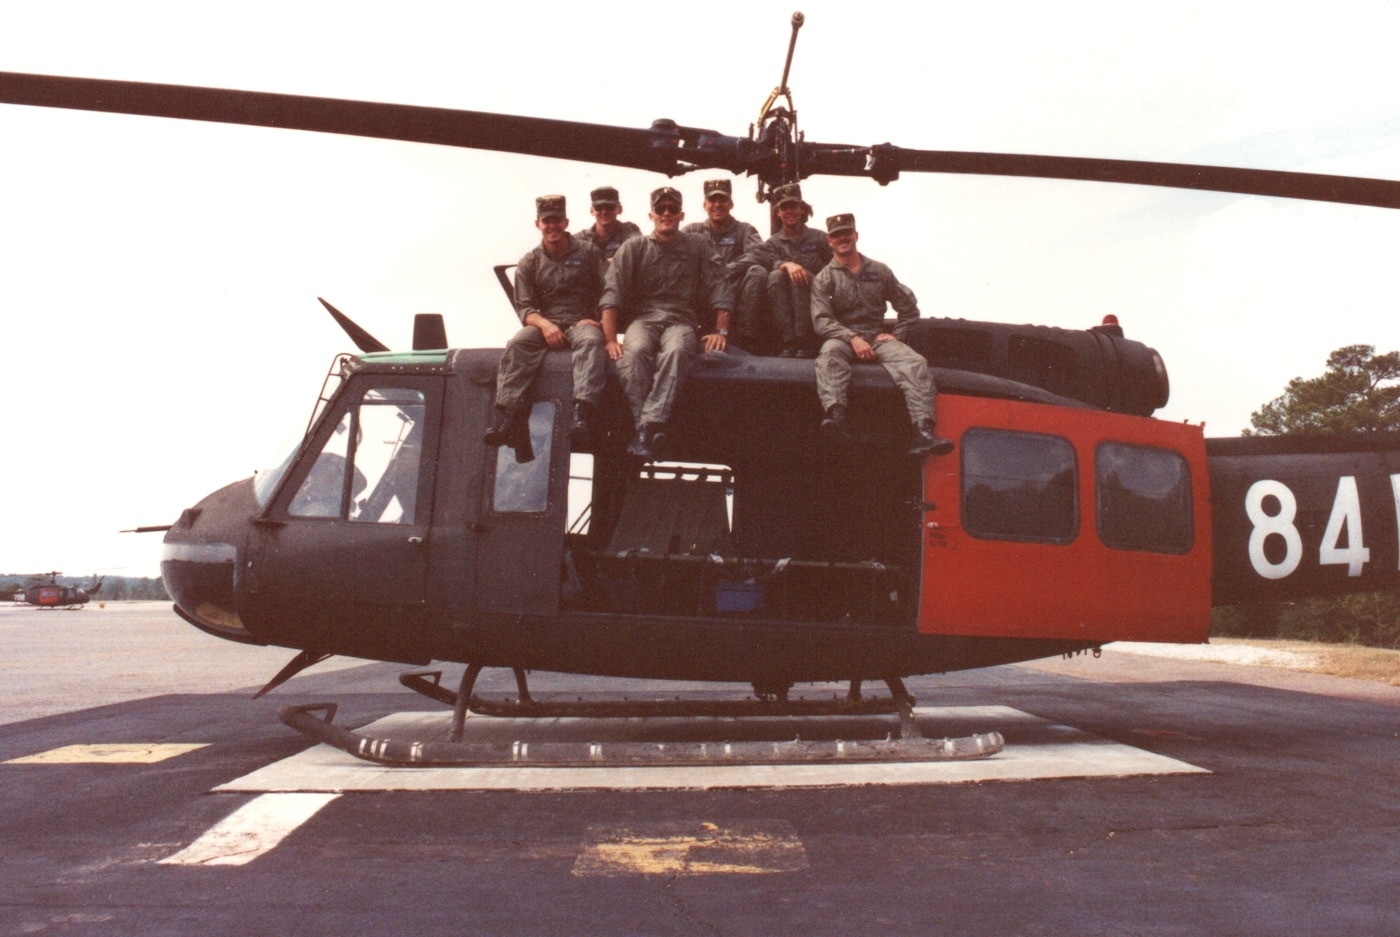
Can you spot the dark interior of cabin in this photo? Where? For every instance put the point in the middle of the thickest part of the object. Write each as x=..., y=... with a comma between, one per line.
x=758, y=518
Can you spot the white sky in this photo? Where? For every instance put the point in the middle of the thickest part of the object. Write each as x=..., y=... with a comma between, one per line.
x=158, y=279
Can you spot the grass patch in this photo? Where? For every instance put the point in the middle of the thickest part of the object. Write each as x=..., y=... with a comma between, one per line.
x=1338, y=660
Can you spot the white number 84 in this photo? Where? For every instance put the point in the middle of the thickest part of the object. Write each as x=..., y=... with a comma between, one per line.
x=1346, y=515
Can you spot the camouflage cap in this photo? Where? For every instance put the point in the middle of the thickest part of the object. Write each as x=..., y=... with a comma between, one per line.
x=838, y=223
x=666, y=194
x=792, y=192
x=715, y=187
x=547, y=205
x=605, y=195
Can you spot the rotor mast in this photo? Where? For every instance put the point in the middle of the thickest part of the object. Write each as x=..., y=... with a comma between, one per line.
x=797, y=21
x=777, y=126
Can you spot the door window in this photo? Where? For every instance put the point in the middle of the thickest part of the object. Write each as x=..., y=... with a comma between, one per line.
x=523, y=487
x=1144, y=498
x=1019, y=486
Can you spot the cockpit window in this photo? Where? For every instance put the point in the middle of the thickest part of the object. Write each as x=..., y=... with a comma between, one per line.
x=389, y=448
x=368, y=468
x=266, y=481
x=322, y=492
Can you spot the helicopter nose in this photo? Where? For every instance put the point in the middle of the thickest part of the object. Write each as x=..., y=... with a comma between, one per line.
x=199, y=562
x=199, y=578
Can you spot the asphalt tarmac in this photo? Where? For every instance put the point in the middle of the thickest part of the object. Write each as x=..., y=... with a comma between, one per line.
x=146, y=793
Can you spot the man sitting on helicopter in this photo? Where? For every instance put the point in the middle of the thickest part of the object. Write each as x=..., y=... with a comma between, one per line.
x=848, y=313
x=735, y=242
x=654, y=287
x=557, y=287
x=608, y=232
x=792, y=257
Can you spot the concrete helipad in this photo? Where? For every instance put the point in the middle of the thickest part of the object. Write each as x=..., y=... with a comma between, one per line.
x=119, y=724
x=1035, y=749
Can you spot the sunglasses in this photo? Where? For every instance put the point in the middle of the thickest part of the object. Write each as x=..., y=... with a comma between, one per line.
x=666, y=210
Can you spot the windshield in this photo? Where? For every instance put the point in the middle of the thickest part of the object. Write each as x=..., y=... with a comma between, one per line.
x=266, y=480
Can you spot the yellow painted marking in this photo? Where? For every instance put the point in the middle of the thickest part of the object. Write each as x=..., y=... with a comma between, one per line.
x=110, y=754
x=691, y=849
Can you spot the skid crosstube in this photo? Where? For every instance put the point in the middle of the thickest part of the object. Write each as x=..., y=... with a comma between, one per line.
x=427, y=682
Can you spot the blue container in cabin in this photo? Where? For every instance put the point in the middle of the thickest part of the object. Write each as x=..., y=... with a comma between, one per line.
x=739, y=596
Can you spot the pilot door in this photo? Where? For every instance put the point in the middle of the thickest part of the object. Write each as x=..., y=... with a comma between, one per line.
x=520, y=534
x=343, y=548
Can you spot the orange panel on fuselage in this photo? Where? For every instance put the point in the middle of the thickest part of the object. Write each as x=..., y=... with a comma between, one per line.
x=1079, y=588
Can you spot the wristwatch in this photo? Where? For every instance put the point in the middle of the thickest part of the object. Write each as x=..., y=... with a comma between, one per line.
x=724, y=332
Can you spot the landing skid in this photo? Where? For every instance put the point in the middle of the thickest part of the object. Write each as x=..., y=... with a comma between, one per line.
x=906, y=744
x=404, y=753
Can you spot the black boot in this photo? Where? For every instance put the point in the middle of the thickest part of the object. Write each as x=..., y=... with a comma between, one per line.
x=518, y=437
x=834, y=425
x=647, y=444
x=927, y=443
x=584, y=428
x=640, y=446
x=660, y=440
x=500, y=431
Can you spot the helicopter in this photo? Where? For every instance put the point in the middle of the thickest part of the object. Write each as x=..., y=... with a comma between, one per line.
x=1067, y=519
x=45, y=591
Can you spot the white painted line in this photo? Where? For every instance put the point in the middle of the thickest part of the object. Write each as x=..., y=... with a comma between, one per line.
x=251, y=830
x=1035, y=749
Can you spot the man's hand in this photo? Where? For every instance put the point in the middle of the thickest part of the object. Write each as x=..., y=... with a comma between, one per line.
x=795, y=271
x=714, y=342
x=554, y=336
x=862, y=348
x=608, y=317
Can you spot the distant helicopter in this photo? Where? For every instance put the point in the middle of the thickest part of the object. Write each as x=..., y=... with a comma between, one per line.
x=45, y=591
x=1068, y=517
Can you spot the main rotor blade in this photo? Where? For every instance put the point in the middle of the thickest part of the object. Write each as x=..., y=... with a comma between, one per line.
x=665, y=147
x=594, y=143
x=885, y=162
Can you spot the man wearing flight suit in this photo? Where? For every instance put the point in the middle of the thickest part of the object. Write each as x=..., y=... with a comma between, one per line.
x=557, y=286
x=607, y=233
x=849, y=296
x=733, y=240
x=792, y=257
x=656, y=285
